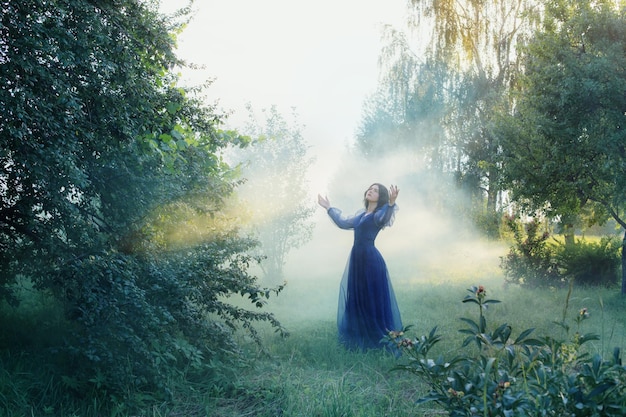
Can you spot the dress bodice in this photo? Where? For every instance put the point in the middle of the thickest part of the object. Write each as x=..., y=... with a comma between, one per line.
x=365, y=230
x=366, y=226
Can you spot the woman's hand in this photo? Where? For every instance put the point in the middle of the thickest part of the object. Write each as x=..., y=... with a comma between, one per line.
x=323, y=201
x=393, y=194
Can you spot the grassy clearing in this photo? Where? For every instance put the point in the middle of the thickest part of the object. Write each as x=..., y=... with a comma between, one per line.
x=309, y=374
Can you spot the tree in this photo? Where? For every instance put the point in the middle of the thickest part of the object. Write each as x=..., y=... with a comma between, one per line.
x=101, y=152
x=275, y=167
x=407, y=118
x=565, y=145
x=465, y=52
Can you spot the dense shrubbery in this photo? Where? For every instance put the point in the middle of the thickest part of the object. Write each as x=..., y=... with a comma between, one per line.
x=141, y=323
x=530, y=260
x=517, y=375
x=104, y=158
x=591, y=263
x=534, y=261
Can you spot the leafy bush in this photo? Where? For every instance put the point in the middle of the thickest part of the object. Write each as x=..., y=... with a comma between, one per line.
x=519, y=375
x=103, y=156
x=141, y=323
x=531, y=260
x=487, y=222
x=591, y=263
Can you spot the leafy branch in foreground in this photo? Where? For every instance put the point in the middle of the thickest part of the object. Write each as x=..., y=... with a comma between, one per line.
x=521, y=376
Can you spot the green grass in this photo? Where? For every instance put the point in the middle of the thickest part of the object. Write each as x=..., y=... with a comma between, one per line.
x=309, y=374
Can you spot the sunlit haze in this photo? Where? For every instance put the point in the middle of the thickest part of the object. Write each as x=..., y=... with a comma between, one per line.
x=321, y=58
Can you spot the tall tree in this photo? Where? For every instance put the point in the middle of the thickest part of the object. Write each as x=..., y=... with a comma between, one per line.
x=565, y=146
x=465, y=50
x=275, y=167
x=100, y=149
x=409, y=117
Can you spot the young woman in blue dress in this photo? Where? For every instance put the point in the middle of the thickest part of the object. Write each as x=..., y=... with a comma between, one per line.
x=367, y=308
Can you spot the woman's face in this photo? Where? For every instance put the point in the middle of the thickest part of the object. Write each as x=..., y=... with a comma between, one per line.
x=371, y=195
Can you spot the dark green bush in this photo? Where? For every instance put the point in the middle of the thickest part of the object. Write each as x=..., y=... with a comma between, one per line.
x=104, y=157
x=140, y=323
x=530, y=260
x=591, y=263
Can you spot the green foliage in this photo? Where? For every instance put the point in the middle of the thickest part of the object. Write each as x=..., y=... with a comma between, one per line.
x=591, y=263
x=102, y=157
x=487, y=222
x=516, y=375
x=442, y=89
x=563, y=148
x=530, y=260
x=165, y=316
x=308, y=374
x=477, y=330
x=400, y=108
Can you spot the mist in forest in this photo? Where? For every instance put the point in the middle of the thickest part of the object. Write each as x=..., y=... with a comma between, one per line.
x=423, y=245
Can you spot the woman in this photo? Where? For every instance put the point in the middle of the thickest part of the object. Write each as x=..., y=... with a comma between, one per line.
x=367, y=305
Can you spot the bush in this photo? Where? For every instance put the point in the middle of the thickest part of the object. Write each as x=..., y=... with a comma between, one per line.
x=140, y=324
x=530, y=261
x=516, y=375
x=487, y=222
x=591, y=263
x=106, y=160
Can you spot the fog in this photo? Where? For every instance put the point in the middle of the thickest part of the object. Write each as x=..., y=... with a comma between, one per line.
x=423, y=245
x=318, y=57
x=322, y=59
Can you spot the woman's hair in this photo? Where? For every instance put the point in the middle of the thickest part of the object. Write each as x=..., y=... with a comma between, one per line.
x=383, y=195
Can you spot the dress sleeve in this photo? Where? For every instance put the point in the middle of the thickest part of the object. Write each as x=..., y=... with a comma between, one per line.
x=385, y=215
x=342, y=221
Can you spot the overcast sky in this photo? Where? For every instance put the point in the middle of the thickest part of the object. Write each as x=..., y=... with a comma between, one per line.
x=320, y=57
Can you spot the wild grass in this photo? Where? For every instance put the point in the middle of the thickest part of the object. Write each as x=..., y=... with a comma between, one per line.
x=309, y=373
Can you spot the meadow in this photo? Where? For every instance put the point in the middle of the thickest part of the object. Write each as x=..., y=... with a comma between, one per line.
x=309, y=374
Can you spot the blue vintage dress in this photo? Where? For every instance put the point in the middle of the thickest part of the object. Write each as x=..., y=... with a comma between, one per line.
x=367, y=308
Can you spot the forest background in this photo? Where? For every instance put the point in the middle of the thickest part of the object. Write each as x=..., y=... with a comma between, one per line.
x=145, y=246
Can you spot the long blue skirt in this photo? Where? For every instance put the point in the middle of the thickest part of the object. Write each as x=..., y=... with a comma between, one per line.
x=367, y=308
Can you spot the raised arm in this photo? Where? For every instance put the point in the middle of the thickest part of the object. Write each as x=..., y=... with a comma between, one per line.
x=344, y=222
x=385, y=215
x=335, y=214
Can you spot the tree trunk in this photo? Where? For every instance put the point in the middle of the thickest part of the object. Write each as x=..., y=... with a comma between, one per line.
x=568, y=234
x=492, y=205
x=567, y=228
x=624, y=264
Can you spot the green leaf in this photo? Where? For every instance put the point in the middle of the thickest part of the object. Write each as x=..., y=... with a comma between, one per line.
x=600, y=389
x=522, y=336
x=474, y=326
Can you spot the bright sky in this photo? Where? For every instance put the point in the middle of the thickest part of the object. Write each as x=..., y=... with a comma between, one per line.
x=320, y=57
